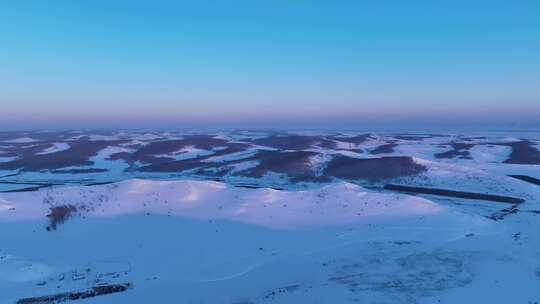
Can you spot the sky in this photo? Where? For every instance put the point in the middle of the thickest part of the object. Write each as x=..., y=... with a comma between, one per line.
x=280, y=63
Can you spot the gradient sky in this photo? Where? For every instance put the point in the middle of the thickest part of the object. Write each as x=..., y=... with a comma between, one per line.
x=278, y=63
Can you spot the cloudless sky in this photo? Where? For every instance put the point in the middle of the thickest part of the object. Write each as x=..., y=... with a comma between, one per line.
x=278, y=63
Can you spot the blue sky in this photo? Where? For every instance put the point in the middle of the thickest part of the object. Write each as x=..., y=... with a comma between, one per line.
x=267, y=63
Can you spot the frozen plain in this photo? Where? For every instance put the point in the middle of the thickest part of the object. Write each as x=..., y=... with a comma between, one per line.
x=259, y=217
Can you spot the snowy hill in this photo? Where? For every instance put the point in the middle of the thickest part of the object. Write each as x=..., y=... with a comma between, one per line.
x=333, y=204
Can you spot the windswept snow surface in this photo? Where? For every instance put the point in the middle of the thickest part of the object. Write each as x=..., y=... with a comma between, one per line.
x=7, y=159
x=56, y=147
x=189, y=152
x=21, y=140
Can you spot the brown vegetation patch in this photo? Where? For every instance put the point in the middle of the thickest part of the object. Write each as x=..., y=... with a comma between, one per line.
x=294, y=142
x=523, y=153
x=59, y=214
x=372, y=168
x=458, y=150
x=77, y=295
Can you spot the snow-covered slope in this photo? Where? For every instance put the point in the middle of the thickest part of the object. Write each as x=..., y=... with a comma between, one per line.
x=334, y=204
x=207, y=242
